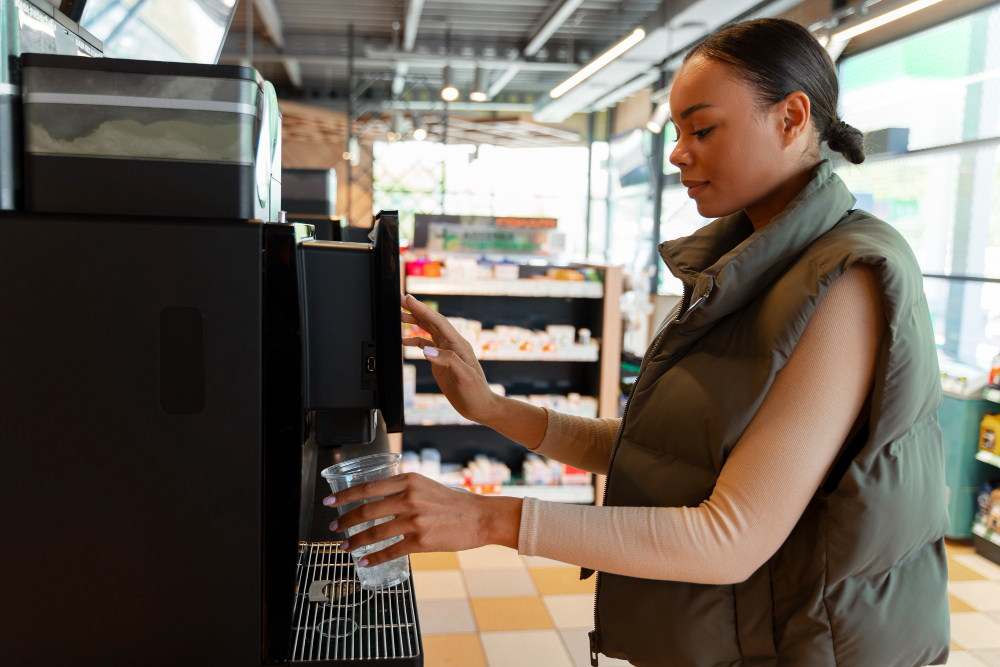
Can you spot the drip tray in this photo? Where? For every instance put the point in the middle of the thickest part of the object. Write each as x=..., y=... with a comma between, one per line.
x=336, y=622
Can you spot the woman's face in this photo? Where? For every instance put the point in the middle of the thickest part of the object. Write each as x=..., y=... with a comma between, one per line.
x=732, y=155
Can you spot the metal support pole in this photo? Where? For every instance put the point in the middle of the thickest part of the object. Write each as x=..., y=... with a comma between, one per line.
x=249, y=33
x=608, y=202
x=659, y=143
x=444, y=127
x=591, y=118
x=350, y=121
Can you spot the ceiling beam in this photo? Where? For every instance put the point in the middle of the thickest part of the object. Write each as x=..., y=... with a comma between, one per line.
x=411, y=25
x=413, y=10
x=555, y=16
x=267, y=12
x=553, y=19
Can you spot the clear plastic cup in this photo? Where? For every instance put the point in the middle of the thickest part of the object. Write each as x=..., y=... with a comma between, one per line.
x=358, y=471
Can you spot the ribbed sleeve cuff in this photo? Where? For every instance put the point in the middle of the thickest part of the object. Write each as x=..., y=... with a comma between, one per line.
x=527, y=535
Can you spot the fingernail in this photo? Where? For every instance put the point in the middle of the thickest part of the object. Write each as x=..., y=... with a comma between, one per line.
x=430, y=351
x=333, y=526
x=344, y=546
x=329, y=500
x=363, y=562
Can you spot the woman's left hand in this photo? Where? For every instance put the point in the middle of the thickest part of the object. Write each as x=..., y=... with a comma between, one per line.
x=429, y=516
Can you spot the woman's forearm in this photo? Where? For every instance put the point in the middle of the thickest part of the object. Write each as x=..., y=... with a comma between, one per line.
x=522, y=422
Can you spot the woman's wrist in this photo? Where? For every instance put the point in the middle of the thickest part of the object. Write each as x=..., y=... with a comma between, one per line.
x=494, y=411
x=500, y=521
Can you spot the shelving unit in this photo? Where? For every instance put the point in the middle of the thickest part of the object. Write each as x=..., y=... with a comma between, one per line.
x=531, y=303
x=988, y=457
x=539, y=288
x=987, y=542
x=584, y=354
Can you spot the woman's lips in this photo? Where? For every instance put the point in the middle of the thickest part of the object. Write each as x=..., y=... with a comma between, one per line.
x=694, y=187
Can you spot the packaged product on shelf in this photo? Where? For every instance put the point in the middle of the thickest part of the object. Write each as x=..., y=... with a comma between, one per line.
x=988, y=505
x=452, y=474
x=564, y=274
x=488, y=346
x=584, y=335
x=430, y=463
x=564, y=335
x=506, y=270
x=989, y=429
x=409, y=385
x=571, y=475
x=995, y=373
x=410, y=462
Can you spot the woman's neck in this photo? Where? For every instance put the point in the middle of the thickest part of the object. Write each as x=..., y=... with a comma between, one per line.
x=763, y=211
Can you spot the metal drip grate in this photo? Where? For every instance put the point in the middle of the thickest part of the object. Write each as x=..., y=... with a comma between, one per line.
x=335, y=620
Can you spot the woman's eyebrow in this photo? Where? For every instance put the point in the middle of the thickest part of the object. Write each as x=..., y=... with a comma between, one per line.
x=694, y=107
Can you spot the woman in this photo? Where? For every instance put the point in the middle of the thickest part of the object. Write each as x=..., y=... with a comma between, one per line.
x=776, y=489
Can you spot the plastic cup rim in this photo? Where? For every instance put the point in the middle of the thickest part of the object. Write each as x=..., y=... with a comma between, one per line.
x=393, y=458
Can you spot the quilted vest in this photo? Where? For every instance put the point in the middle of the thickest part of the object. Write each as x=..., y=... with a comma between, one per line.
x=862, y=579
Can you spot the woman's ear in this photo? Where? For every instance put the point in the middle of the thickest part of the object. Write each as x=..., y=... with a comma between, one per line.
x=794, y=113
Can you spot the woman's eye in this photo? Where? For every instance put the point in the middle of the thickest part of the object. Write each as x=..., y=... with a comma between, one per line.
x=701, y=134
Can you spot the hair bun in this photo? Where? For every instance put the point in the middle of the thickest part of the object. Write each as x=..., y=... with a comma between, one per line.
x=846, y=140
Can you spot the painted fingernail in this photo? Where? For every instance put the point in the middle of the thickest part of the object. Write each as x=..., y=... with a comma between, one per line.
x=333, y=526
x=363, y=562
x=344, y=546
x=431, y=351
x=329, y=500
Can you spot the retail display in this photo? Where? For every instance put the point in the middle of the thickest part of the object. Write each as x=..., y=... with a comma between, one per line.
x=556, y=343
x=434, y=409
x=488, y=475
x=988, y=434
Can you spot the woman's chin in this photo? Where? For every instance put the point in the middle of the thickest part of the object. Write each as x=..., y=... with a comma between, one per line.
x=710, y=209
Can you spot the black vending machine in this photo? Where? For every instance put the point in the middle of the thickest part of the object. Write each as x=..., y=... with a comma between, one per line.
x=166, y=381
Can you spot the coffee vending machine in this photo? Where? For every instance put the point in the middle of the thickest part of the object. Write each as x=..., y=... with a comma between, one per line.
x=174, y=360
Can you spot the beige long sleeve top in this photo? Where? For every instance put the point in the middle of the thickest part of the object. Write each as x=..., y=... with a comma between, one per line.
x=772, y=473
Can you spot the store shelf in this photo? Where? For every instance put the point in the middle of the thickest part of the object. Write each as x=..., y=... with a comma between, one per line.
x=988, y=457
x=536, y=288
x=980, y=530
x=586, y=353
x=558, y=493
x=992, y=395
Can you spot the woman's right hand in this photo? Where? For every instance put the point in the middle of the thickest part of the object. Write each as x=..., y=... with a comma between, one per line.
x=453, y=362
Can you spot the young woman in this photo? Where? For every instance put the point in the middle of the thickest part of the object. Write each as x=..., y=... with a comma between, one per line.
x=776, y=492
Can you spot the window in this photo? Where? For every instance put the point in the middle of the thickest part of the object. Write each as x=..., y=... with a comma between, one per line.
x=425, y=177
x=943, y=194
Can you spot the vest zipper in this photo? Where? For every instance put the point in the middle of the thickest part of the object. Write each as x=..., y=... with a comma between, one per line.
x=681, y=310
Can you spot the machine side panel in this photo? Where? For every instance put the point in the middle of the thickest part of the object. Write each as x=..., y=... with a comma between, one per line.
x=130, y=535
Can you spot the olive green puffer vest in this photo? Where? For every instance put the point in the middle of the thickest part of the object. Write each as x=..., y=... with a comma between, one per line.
x=862, y=579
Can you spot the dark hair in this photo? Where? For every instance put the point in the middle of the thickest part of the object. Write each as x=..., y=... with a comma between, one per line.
x=777, y=57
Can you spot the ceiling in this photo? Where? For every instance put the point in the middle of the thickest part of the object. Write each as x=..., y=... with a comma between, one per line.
x=397, y=49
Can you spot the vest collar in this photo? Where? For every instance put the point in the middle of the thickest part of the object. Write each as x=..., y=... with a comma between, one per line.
x=729, y=260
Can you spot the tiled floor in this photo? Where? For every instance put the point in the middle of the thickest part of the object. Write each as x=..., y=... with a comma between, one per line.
x=491, y=607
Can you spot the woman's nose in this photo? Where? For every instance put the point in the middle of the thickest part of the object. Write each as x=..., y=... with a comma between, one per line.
x=680, y=156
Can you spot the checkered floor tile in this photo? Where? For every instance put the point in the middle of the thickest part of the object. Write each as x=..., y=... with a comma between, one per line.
x=490, y=607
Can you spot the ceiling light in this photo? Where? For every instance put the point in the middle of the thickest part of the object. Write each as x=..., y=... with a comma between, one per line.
x=419, y=131
x=658, y=118
x=888, y=17
x=621, y=47
x=449, y=93
x=477, y=94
